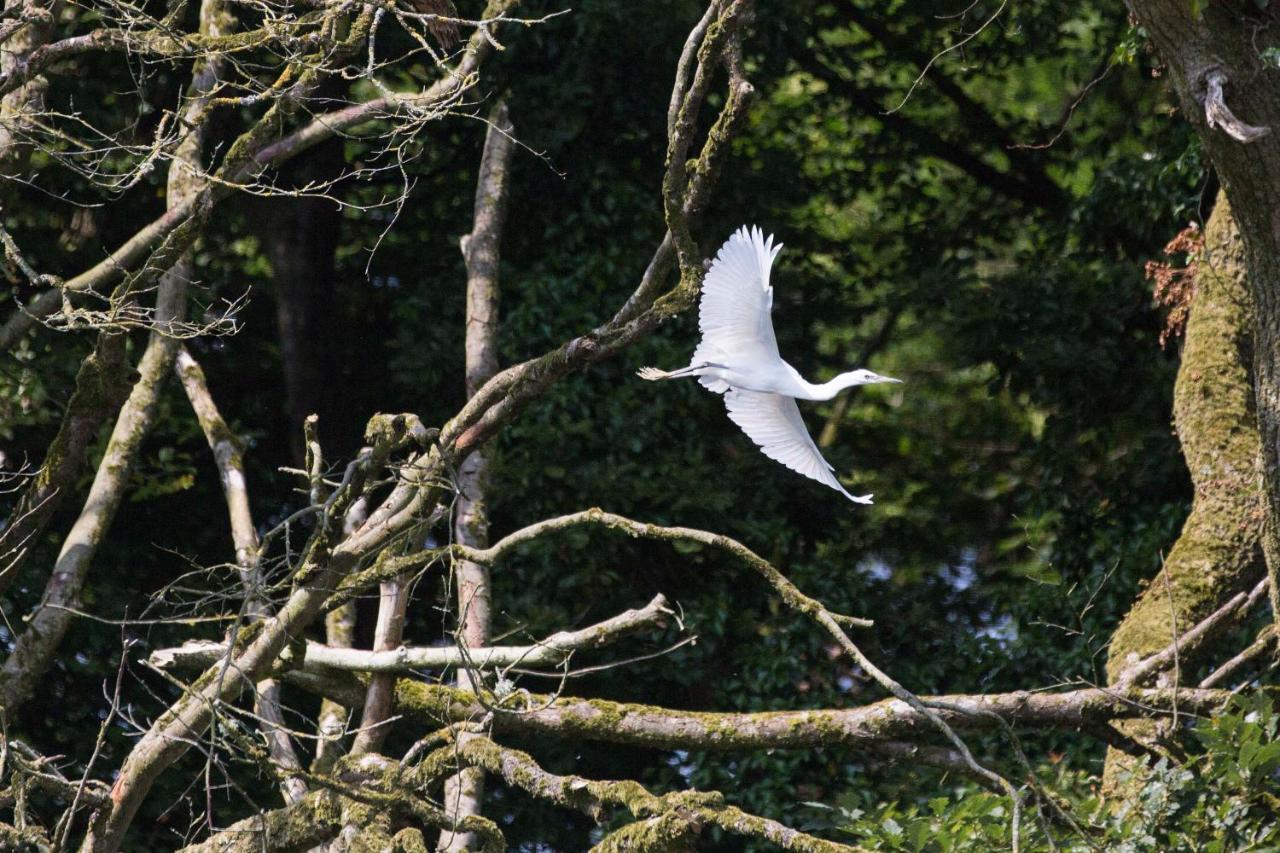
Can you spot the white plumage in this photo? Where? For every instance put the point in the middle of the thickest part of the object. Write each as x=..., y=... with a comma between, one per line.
x=738, y=357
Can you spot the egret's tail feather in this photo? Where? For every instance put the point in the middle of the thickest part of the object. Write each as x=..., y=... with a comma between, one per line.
x=653, y=374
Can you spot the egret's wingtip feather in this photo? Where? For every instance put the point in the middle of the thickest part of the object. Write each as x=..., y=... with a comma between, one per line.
x=862, y=499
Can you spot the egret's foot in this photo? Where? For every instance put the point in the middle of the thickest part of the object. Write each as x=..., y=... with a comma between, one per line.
x=651, y=373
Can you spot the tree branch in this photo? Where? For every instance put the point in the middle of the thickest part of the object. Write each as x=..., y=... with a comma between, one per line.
x=690, y=808
x=865, y=728
x=419, y=487
x=1193, y=638
x=244, y=536
x=785, y=589
x=101, y=387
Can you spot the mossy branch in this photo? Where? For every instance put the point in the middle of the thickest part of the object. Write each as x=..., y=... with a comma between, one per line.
x=865, y=728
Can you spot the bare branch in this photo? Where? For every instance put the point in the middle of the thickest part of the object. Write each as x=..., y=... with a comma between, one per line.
x=388, y=632
x=226, y=452
x=554, y=651
x=785, y=589
x=247, y=159
x=101, y=387
x=1265, y=640
x=689, y=808
x=34, y=649
x=421, y=480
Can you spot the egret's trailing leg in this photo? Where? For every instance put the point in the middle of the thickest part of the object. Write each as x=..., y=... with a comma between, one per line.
x=653, y=374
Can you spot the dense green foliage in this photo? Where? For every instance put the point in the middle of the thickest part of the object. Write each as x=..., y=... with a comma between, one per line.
x=1025, y=474
x=1222, y=799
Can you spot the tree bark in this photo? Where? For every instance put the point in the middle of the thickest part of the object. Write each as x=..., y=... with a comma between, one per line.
x=18, y=105
x=1219, y=551
x=865, y=727
x=388, y=633
x=328, y=561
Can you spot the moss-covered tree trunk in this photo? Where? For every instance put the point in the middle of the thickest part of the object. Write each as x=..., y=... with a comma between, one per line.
x=1219, y=551
x=1216, y=56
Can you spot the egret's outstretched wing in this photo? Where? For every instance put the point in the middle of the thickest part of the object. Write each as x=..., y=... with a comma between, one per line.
x=734, y=314
x=774, y=423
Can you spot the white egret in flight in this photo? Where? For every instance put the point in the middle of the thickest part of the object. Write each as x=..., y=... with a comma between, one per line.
x=738, y=357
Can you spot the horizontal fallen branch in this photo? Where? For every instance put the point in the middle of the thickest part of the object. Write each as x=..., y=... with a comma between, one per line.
x=865, y=728
x=554, y=651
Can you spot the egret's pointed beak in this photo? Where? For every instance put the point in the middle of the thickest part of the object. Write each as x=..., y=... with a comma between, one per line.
x=879, y=378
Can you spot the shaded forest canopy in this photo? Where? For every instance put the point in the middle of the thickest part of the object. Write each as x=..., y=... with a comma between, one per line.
x=242, y=237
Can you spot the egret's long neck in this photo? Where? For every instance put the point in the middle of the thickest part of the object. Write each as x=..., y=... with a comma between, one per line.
x=827, y=390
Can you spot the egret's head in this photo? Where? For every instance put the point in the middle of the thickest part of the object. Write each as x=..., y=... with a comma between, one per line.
x=866, y=377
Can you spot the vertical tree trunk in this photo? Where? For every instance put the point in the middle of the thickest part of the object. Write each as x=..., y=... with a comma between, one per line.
x=480, y=248
x=339, y=633
x=1214, y=53
x=388, y=633
x=1219, y=551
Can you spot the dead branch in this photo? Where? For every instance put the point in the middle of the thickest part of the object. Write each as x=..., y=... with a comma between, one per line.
x=248, y=158
x=554, y=651
x=34, y=649
x=690, y=810
x=1261, y=645
x=244, y=536
x=101, y=387
x=783, y=587
x=420, y=479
